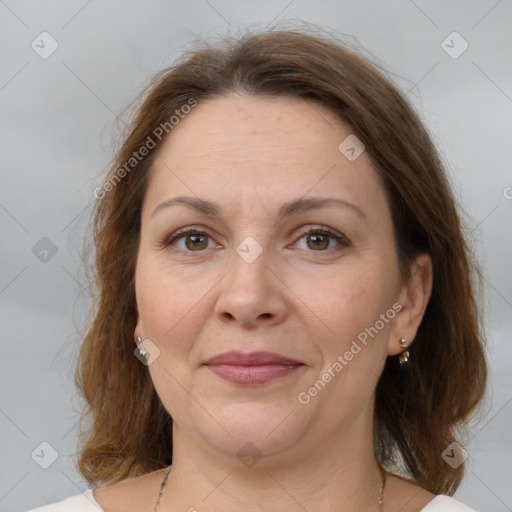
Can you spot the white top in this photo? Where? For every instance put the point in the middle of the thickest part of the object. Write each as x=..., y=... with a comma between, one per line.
x=85, y=502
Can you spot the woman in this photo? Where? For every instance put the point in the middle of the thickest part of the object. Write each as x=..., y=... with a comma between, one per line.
x=278, y=237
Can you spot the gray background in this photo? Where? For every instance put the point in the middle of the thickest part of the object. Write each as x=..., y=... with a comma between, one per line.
x=58, y=133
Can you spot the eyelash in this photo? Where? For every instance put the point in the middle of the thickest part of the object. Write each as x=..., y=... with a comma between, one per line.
x=342, y=240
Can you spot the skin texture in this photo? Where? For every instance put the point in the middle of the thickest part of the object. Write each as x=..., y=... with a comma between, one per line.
x=302, y=300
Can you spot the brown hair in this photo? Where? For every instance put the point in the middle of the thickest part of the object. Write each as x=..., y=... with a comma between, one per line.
x=418, y=411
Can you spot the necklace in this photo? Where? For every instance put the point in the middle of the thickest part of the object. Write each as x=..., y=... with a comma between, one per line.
x=162, y=488
x=381, y=490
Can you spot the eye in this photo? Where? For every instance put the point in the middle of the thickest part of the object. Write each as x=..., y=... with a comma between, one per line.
x=194, y=240
x=319, y=239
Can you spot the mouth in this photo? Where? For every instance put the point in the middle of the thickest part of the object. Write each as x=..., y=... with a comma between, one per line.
x=252, y=369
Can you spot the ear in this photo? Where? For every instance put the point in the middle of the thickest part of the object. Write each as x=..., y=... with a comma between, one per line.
x=413, y=297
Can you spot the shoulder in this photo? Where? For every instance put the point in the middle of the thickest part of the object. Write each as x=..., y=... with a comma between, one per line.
x=407, y=496
x=442, y=503
x=135, y=493
x=79, y=503
x=138, y=494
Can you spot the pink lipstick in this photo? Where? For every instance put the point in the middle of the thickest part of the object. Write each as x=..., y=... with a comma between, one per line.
x=252, y=369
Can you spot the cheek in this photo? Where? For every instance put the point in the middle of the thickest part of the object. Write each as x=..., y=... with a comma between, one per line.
x=348, y=305
x=169, y=312
x=352, y=349
x=166, y=309
x=167, y=298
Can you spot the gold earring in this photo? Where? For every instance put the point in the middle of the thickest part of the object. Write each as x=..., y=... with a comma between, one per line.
x=404, y=356
x=142, y=352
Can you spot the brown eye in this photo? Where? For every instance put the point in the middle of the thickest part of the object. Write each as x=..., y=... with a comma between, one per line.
x=323, y=240
x=194, y=240
x=317, y=241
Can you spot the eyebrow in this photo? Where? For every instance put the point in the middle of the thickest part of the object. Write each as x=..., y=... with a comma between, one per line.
x=302, y=204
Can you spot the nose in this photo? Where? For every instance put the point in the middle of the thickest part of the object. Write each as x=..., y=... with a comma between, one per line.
x=252, y=294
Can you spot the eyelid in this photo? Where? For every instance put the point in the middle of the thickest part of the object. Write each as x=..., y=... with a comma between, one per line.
x=319, y=227
x=342, y=240
x=180, y=233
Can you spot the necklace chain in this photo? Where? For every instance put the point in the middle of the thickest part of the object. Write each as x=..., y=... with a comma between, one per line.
x=382, y=485
x=381, y=490
x=162, y=488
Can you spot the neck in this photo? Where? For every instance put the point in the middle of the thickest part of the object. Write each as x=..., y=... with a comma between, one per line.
x=341, y=474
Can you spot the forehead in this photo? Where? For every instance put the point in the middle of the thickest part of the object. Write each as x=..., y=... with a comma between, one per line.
x=259, y=129
x=255, y=147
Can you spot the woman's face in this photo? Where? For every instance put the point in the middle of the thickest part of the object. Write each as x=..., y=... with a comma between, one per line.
x=250, y=278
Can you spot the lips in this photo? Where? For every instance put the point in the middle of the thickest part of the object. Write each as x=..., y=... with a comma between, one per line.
x=251, y=359
x=255, y=368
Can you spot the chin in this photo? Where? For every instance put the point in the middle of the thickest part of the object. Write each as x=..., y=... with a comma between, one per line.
x=257, y=429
